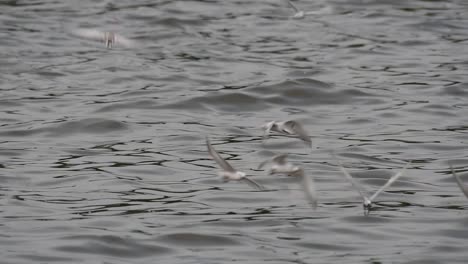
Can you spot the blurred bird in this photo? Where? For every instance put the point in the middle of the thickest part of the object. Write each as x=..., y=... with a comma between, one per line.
x=299, y=14
x=368, y=200
x=290, y=127
x=281, y=166
x=108, y=38
x=228, y=173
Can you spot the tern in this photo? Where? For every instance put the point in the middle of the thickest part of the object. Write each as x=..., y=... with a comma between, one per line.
x=228, y=173
x=108, y=38
x=368, y=200
x=460, y=183
x=280, y=165
x=299, y=13
x=291, y=127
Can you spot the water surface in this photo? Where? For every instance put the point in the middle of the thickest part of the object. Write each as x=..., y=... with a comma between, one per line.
x=103, y=156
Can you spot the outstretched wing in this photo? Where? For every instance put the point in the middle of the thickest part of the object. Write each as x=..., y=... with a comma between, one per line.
x=294, y=127
x=91, y=34
x=353, y=182
x=308, y=187
x=280, y=159
x=253, y=183
x=293, y=6
x=390, y=181
x=125, y=42
x=221, y=162
x=462, y=186
x=266, y=130
x=261, y=165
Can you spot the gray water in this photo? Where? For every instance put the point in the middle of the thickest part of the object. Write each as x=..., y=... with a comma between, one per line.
x=103, y=155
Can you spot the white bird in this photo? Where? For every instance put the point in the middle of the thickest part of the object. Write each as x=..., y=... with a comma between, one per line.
x=108, y=38
x=299, y=14
x=228, y=173
x=281, y=166
x=368, y=200
x=460, y=183
x=290, y=127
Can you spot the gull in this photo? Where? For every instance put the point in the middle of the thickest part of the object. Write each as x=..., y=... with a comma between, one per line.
x=290, y=127
x=460, y=183
x=281, y=166
x=368, y=200
x=107, y=37
x=299, y=14
x=228, y=173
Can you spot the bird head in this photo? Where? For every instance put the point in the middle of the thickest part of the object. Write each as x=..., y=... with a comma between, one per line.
x=367, y=204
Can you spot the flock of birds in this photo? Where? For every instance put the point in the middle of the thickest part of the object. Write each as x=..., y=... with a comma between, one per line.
x=279, y=163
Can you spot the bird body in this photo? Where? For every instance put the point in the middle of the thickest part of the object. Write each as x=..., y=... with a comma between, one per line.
x=228, y=173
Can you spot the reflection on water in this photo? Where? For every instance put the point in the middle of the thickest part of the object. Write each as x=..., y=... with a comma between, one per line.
x=103, y=150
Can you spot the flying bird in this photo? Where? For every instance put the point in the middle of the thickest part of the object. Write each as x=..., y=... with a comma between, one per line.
x=228, y=173
x=368, y=200
x=280, y=165
x=108, y=38
x=299, y=14
x=290, y=128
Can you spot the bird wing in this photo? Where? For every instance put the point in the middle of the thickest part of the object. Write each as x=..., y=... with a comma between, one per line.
x=353, y=182
x=390, y=181
x=123, y=41
x=462, y=186
x=308, y=187
x=261, y=165
x=221, y=162
x=92, y=34
x=294, y=127
x=293, y=6
x=267, y=128
x=280, y=159
x=253, y=183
